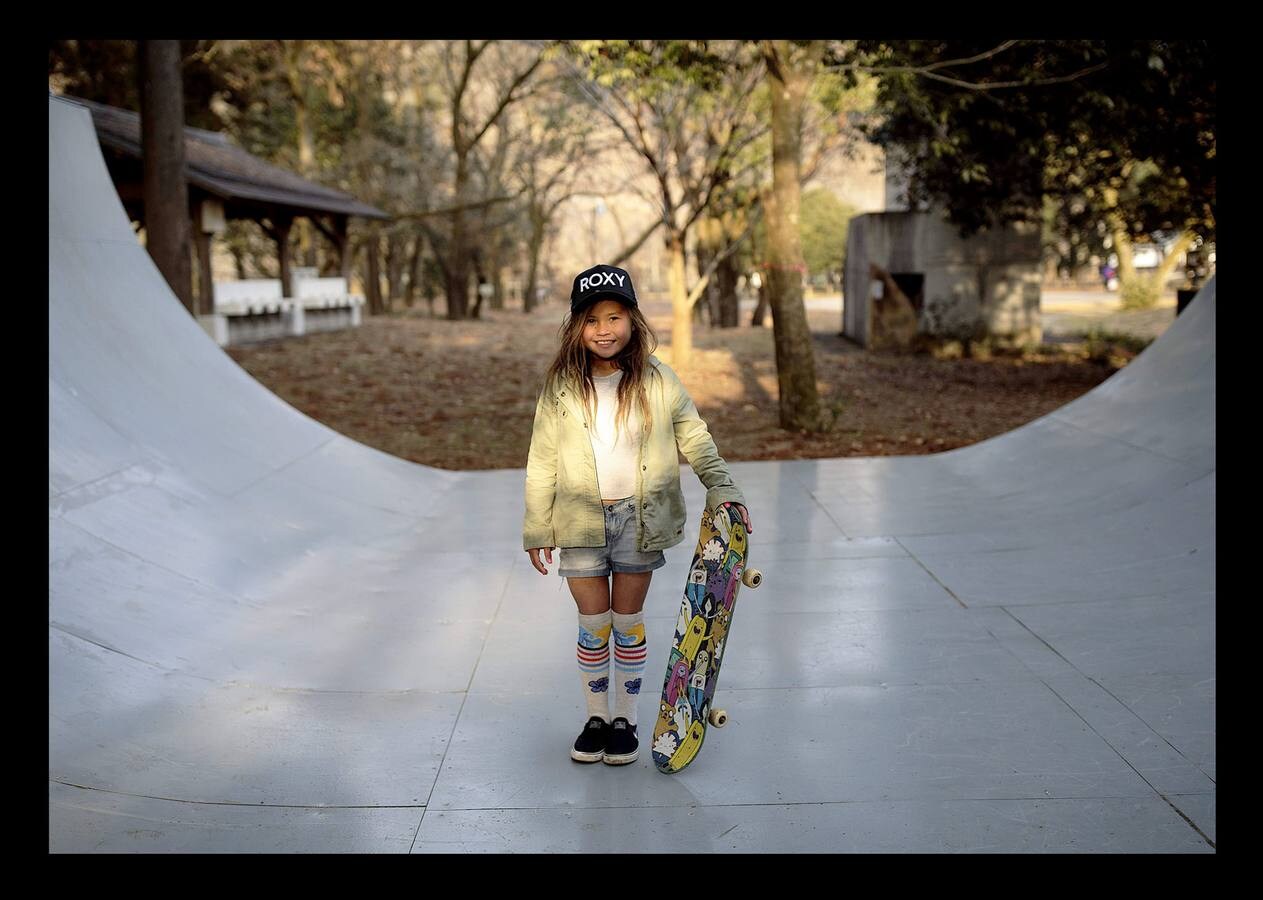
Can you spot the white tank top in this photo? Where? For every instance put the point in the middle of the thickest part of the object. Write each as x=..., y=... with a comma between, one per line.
x=616, y=453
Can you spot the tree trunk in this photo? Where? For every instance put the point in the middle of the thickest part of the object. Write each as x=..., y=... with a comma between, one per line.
x=414, y=270
x=306, y=141
x=395, y=257
x=707, y=302
x=795, y=362
x=166, y=194
x=535, y=246
x=725, y=280
x=759, y=316
x=1122, y=249
x=458, y=262
x=681, y=314
x=1172, y=259
x=532, y=270
x=373, y=284
x=495, y=275
x=480, y=278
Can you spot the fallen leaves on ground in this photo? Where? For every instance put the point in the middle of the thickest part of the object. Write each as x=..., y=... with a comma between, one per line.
x=461, y=395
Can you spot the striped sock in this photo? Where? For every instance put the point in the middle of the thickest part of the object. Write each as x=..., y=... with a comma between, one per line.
x=594, y=662
x=630, y=653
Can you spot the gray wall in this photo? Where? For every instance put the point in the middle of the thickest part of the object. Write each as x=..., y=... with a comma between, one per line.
x=985, y=284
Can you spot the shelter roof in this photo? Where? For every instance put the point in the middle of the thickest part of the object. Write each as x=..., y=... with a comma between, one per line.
x=222, y=169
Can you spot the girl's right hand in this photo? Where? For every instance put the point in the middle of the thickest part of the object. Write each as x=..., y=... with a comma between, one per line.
x=536, y=553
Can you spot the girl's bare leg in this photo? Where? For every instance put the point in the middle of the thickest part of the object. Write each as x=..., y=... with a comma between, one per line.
x=629, y=591
x=591, y=595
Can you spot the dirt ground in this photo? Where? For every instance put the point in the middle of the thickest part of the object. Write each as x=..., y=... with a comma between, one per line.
x=461, y=395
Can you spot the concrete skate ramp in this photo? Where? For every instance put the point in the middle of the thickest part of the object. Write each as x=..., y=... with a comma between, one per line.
x=264, y=636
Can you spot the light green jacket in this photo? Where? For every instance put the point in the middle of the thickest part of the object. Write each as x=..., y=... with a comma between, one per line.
x=563, y=500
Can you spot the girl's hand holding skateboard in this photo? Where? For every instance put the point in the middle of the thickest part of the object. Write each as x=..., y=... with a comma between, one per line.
x=745, y=515
x=536, y=553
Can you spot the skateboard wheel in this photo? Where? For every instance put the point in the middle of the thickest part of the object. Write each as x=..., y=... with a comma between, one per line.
x=752, y=578
x=719, y=717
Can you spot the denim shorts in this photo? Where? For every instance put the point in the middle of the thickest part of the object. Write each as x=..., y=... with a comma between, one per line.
x=619, y=553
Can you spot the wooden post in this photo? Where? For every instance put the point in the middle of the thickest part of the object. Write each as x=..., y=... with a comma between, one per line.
x=206, y=294
x=343, y=243
x=279, y=232
x=336, y=232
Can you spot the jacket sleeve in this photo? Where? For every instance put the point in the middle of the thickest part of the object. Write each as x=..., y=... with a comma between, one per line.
x=541, y=477
x=694, y=440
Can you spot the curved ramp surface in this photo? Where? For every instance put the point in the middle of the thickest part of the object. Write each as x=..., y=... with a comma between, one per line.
x=264, y=636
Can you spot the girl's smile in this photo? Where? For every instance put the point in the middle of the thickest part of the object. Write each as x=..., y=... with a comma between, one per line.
x=606, y=331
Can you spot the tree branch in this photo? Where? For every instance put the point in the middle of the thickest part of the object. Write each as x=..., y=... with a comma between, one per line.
x=634, y=246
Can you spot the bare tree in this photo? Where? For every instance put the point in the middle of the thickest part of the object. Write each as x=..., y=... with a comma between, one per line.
x=790, y=70
x=474, y=106
x=557, y=141
x=166, y=195
x=685, y=110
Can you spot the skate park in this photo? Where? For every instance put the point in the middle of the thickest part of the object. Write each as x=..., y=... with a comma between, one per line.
x=265, y=637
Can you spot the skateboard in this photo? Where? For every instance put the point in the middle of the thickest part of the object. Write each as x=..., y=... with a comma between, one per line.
x=697, y=650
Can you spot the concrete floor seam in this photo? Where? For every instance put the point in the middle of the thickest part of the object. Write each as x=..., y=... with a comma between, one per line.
x=333, y=436
x=1116, y=699
x=1141, y=720
x=1125, y=443
x=927, y=570
x=438, y=773
x=1106, y=740
x=87, y=484
x=98, y=790
x=237, y=598
x=1191, y=824
x=789, y=804
x=69, y=632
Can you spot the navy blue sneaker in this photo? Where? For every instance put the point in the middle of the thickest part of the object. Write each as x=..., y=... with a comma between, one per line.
x=589, y=747
x=622, y=747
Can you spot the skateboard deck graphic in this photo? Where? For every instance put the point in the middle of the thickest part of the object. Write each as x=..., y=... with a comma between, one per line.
x=697, y=650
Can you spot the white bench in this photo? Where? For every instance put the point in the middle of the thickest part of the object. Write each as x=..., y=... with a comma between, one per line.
x=251, y=297
x=325, y=293
x=254, y=309
x=326, y=304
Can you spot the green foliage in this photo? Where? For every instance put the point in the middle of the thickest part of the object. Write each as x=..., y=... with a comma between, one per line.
x=1141, y=291
x=823, y=220
x=1071, y=233
x=100, y=71
x=105, y=71
x=1128, y=127
x=651, y=68
x=1113, y=348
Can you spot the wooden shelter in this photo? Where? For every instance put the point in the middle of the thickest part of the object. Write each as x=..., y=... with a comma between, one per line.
x=225, y=182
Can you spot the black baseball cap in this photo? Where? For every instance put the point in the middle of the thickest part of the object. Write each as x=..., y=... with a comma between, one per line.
x=599, y=282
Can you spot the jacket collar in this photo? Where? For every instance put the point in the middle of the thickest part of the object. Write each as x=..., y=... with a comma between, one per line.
x=571, y=396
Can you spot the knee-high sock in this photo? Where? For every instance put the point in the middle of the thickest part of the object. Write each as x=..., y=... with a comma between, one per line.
x=630, y=652
x=593, y=654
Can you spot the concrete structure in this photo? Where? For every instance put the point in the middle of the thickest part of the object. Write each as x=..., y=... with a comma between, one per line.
x=987, y=284
x=264, y=636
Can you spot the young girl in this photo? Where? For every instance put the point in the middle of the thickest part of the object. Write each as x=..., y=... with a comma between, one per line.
x=603, y=485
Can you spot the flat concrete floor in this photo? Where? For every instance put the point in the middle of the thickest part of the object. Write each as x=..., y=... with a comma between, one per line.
x=264, y=636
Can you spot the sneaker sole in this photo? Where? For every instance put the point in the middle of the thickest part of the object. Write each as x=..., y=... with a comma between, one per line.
x=580, y=756
x=623, y=759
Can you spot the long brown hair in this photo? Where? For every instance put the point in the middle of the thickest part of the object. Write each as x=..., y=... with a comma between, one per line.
x=573, y=363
